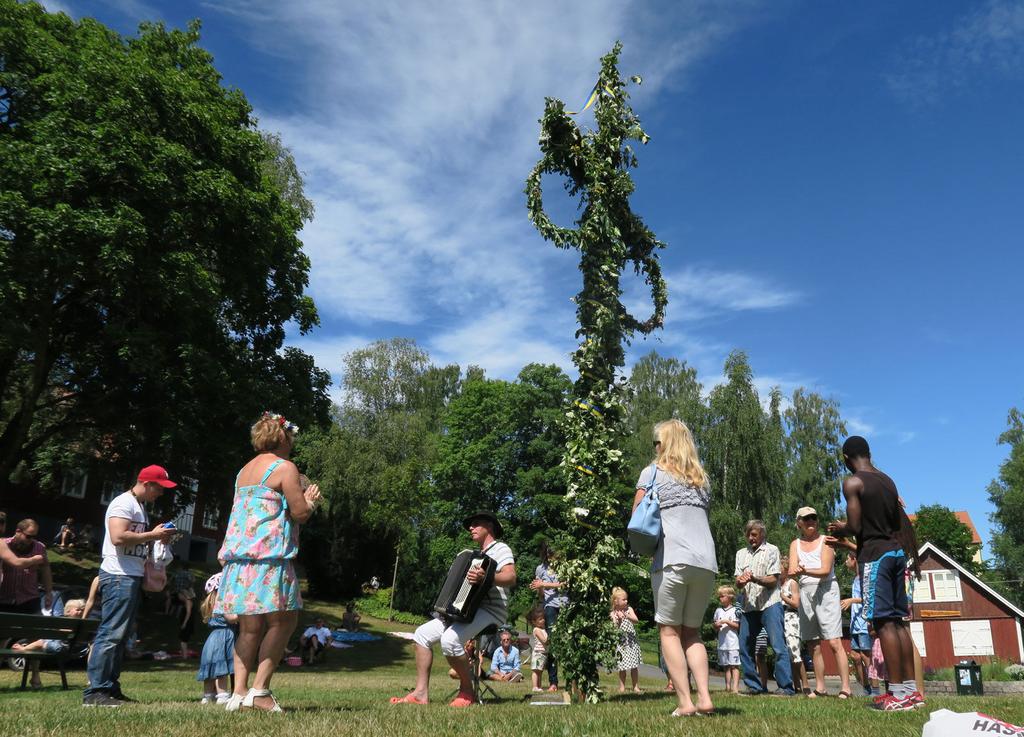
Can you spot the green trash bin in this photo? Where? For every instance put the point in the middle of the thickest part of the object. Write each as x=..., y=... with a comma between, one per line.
x=967, y=675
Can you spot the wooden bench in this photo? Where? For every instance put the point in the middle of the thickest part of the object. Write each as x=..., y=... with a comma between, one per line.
x=75, y=633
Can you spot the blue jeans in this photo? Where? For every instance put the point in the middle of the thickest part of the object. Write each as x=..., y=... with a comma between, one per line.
x=550, y=616
x=120, y=603
x=751, y=623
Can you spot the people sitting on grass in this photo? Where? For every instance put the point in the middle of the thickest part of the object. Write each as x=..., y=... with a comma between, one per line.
x=314, y=639
x=485, y=530
x=505, y=663
x=66, y=536
x=350, y=619
x=74, y=609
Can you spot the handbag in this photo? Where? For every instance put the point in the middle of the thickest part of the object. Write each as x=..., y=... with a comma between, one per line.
x=644, y=527
x=154, y=578
x=154, y=570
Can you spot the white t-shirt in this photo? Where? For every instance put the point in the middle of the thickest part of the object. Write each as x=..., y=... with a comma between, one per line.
x=125, y=560
x=496, y=601
x=728, y=638
x=322, y=634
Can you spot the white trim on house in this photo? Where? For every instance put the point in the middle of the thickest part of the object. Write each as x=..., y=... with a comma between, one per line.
x=981, y=584
x=1020, y=642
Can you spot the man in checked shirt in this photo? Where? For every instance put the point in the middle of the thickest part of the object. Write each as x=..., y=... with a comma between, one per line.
x=757, y=575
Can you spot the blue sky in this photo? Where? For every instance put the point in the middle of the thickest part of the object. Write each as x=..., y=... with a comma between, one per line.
x=839, y=186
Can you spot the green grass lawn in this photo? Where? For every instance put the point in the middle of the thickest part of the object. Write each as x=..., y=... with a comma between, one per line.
x=347, y=694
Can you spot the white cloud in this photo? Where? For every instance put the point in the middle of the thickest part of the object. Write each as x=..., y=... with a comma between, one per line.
x=700, y=292
x=989, y=39
x=905, y=436
x=56, y=6
x=416, y=128
x=858, y=426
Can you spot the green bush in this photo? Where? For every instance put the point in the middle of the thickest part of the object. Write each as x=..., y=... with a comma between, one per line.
x=993, y=671
x=377, y=605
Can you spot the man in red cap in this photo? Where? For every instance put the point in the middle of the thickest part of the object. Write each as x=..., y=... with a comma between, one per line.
x=126, y=543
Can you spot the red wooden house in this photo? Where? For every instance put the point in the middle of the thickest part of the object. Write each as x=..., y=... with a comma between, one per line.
x=957, y=616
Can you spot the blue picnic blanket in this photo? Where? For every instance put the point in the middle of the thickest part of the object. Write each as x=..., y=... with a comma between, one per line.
x=345, y=636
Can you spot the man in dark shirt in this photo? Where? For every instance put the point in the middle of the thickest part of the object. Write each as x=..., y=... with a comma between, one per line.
x=873, y=516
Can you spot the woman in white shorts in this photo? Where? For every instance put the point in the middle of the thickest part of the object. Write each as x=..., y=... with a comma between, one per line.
x=684, y=567
x=821, y=613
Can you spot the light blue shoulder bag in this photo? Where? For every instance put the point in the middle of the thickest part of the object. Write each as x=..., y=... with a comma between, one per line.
x=645, y=525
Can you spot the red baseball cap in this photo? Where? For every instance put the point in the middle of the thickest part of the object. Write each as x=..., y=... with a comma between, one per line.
x=156, y=475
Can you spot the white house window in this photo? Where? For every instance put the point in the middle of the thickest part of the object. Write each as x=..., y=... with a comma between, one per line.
x=971, y=637
x=109, y=491
x=211, y=516
x=917, y=632
x=938, y=586
x=73, y=484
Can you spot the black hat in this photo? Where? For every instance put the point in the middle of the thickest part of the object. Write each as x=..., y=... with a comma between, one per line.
x=489, y=516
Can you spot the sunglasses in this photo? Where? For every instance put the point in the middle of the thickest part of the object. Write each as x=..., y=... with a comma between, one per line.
x=810, y=518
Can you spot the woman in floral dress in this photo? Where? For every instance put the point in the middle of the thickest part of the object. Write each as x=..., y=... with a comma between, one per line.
x=259, y=584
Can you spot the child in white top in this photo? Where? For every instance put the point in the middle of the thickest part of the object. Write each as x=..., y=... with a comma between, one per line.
x=727, y=624
x=538, y=647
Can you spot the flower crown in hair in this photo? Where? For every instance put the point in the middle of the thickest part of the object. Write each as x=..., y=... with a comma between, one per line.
x=288, y=426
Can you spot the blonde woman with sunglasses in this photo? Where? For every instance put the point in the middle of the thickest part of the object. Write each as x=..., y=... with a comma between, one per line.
x=684, y=566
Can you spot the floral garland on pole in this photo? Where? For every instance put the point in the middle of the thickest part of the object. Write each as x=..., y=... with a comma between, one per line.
x=610, y=237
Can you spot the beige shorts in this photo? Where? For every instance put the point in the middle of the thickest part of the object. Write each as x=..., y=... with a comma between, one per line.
x=821, y=613
x=681, y=594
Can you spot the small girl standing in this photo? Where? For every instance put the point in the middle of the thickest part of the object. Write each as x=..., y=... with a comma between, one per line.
x=538, y=647
x=217, y=662
x=727, y=624
x=628, y=651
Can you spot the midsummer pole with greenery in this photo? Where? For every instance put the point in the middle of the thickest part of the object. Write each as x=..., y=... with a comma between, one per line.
x=609, y=237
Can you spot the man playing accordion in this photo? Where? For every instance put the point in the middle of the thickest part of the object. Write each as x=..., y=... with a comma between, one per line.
x=485, y=531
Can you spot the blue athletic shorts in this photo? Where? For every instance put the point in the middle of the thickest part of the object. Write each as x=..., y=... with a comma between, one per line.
x=883, y=587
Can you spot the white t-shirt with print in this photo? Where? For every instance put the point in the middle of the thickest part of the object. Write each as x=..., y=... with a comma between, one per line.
x=125, y=560
x=728, y=638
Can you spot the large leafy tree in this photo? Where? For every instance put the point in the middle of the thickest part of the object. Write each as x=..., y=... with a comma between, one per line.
x=743, y=457
x=1007, y=496
x=149, y=258
x=501, y=449
x=813, y=454
x=374, y=465
x=661, y=388
x=610, y=237
x=937, y=524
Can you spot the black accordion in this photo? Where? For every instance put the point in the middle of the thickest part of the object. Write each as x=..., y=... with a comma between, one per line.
x=459, y=599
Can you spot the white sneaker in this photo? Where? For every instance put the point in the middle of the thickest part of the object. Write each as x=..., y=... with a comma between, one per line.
x=223, y=697
x=208, y=698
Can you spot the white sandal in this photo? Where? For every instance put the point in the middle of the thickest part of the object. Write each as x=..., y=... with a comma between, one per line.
x=233, y=703
x=248, y=701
